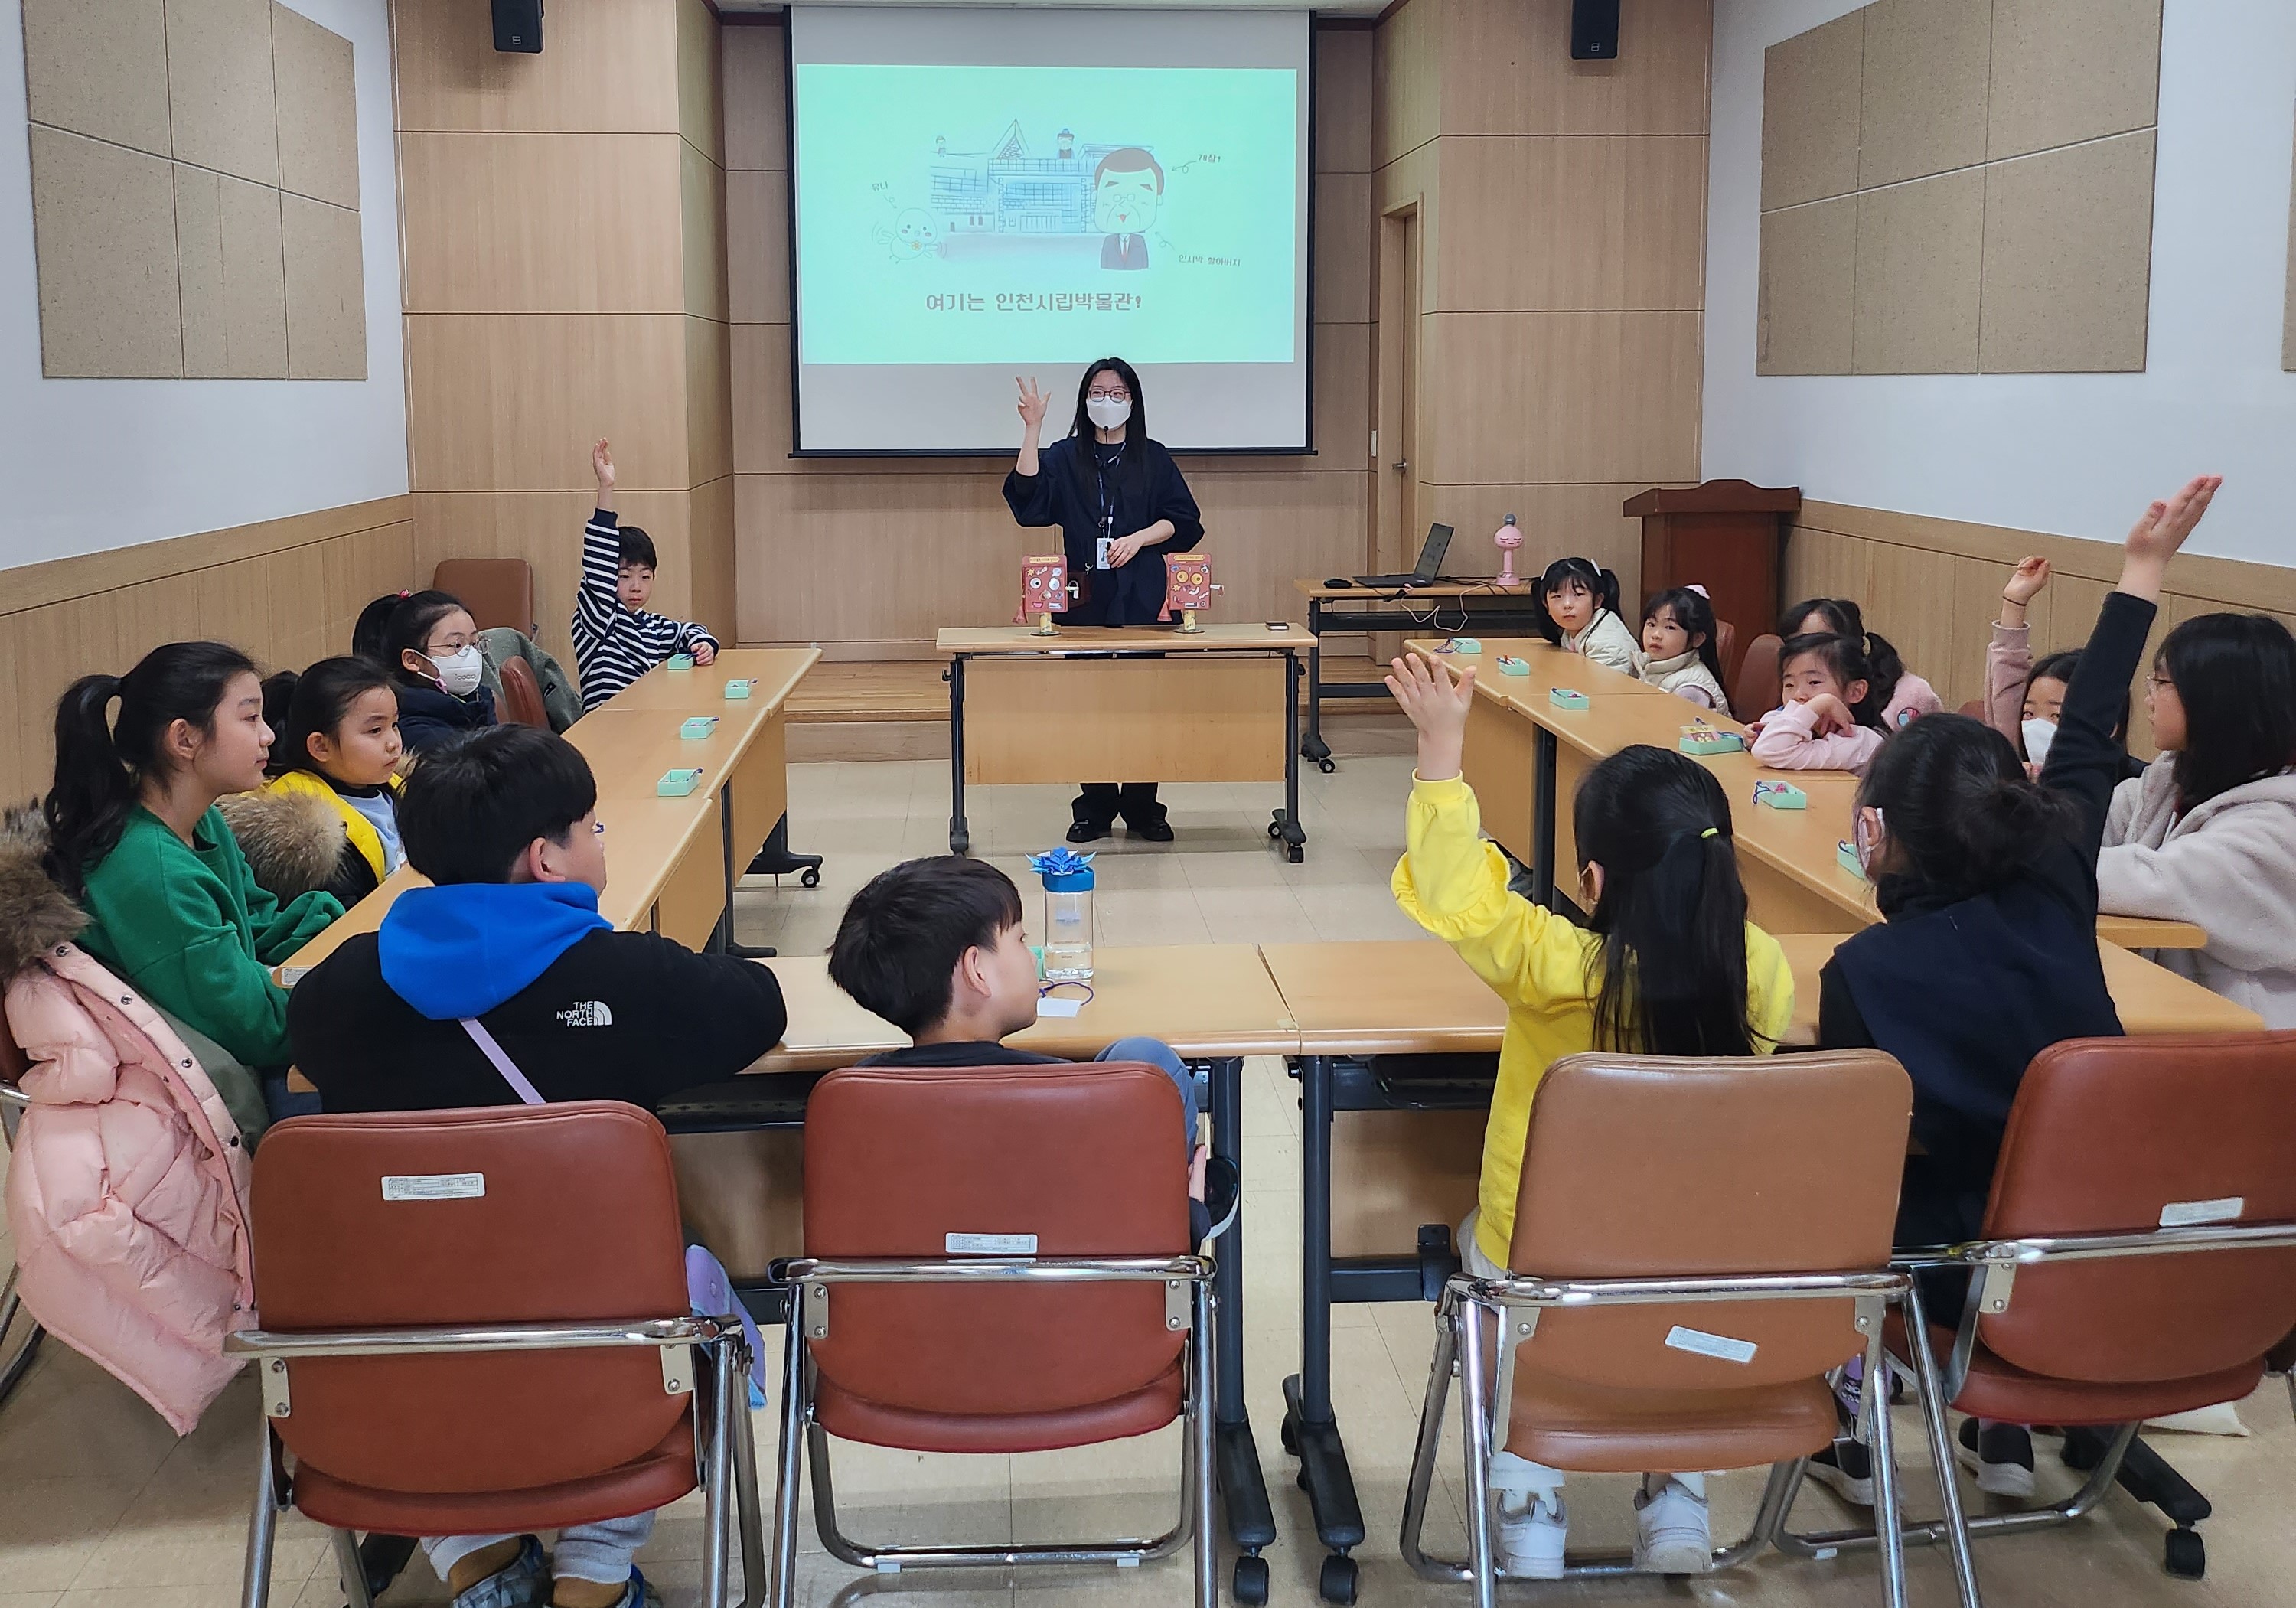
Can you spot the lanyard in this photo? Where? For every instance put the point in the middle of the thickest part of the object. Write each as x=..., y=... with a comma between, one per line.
x=1108, y=496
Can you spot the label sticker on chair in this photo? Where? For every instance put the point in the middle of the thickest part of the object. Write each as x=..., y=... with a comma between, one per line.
x=434, y=1186
x=1719, y=1346
x=2186, y=1214
x=991, y=1244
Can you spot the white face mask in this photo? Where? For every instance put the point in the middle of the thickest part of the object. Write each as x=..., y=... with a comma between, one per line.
x=2039, y=735
x=1106, y=412
x=461, y=671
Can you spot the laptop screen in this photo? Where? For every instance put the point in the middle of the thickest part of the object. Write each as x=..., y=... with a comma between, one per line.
x=1430, y=555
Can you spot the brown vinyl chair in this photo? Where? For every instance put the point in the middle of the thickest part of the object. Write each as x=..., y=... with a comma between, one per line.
x=1725, y=650
x=13, y=1065
x=522, y=702
x=949, y=1302
x=1754, y=687
x=2138, y=1258
x=1701, y=1242
x=496, y=591
x=477, y=1322
x=1974, y=709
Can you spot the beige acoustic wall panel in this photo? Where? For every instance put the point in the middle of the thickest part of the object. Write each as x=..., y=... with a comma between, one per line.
x=233, y=277
x=2068, y=259
x=103, y=223
x=1922, y=102
x=1808, y=285
x=326, y=291
x=1920, y=246
x=99, y=68
x=316, y=108
x=219, y=86
x=1811, y=87
x=2288, y=312
x=2067, y=70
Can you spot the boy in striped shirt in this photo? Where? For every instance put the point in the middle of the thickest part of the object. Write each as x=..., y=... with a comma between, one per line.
x=616, y=640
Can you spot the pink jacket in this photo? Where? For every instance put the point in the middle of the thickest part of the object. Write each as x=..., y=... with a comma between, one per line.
x=1789, y=741
x=126, y=1192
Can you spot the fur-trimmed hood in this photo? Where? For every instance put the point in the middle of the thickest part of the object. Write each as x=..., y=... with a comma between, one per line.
x=293, y=840
x=36, y=915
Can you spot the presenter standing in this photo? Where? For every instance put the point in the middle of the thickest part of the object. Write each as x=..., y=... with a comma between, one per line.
x=1117, y=497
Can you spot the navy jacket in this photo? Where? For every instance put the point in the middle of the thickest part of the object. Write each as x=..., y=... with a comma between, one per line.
x=1070, y=489
x=428, y=717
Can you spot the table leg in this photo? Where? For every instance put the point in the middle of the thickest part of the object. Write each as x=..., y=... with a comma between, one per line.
x=1244, y=1487
x=777, y=858
x=1542, y=819
x=960, y=835
x=1311, y=1432
x=1315, y=748
x=722, y=941
x=1287, y=825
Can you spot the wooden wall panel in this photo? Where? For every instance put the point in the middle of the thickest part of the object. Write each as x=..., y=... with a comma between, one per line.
x=755, y=99
x=609, y=69
x=757, y=245
x=1506, y=69
x=1407, y=77
x=1557, y=522
x=1347, y=133
x=1626, y=216
x=709, y=403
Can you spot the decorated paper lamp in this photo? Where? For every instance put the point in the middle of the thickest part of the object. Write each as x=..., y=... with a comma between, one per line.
x=1507, y=538
x=1187, y=586
x=1044, y=590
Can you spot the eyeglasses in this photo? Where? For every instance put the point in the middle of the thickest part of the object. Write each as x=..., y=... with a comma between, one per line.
x=1110, y=395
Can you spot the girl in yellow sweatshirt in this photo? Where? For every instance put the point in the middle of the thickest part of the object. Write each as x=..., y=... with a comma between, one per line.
x=1667, y=964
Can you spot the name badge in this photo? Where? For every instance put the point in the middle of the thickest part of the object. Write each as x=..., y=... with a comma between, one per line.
x=1100, y=546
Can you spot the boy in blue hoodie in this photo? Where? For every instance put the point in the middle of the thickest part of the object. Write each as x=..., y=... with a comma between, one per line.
x=505, y=823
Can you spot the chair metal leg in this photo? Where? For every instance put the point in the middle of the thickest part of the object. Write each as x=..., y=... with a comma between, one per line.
x=717, y=1494
x=788, y=1472
x=353, y=1570
x=1888, y=1515
x=20, y=1359
x=262, y=1530
x=1475, y=1409
x=1413, y=1538
x=1203, y=1413
x=1931, y=1390
x=748, y=1514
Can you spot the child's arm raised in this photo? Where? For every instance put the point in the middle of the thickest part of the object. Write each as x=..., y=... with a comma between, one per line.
x=597, y=596
x=1436, y=700
x=2009, y=656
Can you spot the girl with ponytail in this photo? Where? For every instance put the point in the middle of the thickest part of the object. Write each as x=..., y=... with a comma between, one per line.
x=1580, y=600
x=1898, y=695
x=1986, y=953
x=133, y=834
x=1667, y=966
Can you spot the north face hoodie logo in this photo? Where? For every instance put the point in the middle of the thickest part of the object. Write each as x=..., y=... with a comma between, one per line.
x=587, y=1014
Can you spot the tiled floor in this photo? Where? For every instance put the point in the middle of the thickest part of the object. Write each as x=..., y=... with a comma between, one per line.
x=100, y=1508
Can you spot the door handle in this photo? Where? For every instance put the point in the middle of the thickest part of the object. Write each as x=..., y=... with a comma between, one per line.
x=1401, y=465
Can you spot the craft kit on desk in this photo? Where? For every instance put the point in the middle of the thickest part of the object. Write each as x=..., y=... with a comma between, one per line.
x=740, y=686
x=1780, y=795
x=1509, y=665
x=679, y=781
x=681, y=662
x=1699, y=739
x=1461, y=645
x=698, y=727
x=1846, y=852
x=1565, y=698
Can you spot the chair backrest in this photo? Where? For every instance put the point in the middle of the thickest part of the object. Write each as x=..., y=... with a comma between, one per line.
x=499, y=1214
x=1754, y=687
x=1725, y=650
x=522, y=702
x=2126, y=1136
x=1652, y=1166
x=497, y=591
x=1974, y=709
x=913, y=1163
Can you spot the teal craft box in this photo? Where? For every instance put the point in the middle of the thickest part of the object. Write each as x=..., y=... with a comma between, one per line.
x=677, y=784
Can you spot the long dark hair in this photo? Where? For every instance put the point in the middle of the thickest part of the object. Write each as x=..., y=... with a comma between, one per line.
x=1843, y=618
x=1693, y=612
x=101, y=763
x=298, y=708
x=1588, y=574
x=409, y=627
x=372, y=625
x=1847, y=659
x=1136, y=428
x=1957, y=814
x=2236, y=675
x=1672, y=913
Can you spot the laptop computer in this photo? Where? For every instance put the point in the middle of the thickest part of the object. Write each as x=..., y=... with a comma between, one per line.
x=1429, y=566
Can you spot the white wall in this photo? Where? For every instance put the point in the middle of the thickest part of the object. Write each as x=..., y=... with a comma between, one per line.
x=87, y=464
x=2075, y=454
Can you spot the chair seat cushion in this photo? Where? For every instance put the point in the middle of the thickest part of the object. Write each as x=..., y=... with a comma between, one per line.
x=851, y=1417
x=1567, y=1423
x=2001, y=1391
x=655, y=1480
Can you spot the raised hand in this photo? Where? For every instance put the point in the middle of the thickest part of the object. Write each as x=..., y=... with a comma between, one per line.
x=1032, y=405
x=2161, y=528
x=602, y=463
x=2032, y=574
x=1436, y=699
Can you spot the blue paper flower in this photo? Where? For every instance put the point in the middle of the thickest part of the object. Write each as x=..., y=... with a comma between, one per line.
x=1060, y=862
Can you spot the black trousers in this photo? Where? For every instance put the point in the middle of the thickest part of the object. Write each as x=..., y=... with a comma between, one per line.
x=1100, y=802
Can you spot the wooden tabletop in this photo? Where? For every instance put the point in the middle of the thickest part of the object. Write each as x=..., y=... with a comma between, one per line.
x=1202, y=999
x=702, y=691
x=1137, y=639
x=630, y=749
x=1396, y=997
x=1478, y=586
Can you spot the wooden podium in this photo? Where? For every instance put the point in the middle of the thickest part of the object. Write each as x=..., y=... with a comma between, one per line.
x=1724, y=535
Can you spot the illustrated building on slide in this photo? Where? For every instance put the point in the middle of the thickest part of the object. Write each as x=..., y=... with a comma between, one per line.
x=1005, y=191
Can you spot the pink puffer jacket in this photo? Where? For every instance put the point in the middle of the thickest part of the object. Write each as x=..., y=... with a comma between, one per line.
x=126, y=1192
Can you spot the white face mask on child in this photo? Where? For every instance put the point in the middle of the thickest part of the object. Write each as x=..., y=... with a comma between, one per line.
x=2039, y=735
x=460, y=671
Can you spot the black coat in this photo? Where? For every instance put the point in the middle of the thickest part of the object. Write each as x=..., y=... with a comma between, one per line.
x=428, y=717
x=1068, y=490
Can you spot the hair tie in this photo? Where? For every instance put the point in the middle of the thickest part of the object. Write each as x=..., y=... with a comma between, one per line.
x=1695, y=587
x=1711, y=831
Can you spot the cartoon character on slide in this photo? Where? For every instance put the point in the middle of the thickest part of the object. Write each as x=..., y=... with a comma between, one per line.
x=1127, y=188
x=912, y=238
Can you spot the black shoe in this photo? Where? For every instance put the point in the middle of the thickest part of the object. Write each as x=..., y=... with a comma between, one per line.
x=1222, y=1192
x=1091, y=832
x=1846, y=1468
x=1152, y=832
x=2001, y=1455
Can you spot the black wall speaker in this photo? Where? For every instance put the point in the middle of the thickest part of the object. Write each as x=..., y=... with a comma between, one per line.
x=518, y=26
x=1593, y=31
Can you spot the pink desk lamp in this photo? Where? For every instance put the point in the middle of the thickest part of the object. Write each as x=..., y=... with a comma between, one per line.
x=1507, y=538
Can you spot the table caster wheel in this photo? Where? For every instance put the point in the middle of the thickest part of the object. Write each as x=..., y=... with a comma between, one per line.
x=1337, y=1582
x=2185, y=1554
x=1294, y=853
x=960, y=842
x=1327, y=765
x=1250, y=1582
x=1291, y=1435
x=1275, y=828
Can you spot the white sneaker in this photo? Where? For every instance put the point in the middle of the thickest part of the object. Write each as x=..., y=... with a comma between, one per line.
x=1672, y=1535
x=1530, y=1536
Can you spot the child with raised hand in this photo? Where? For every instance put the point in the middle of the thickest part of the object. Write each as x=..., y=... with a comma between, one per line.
x=615, y=639
x=1679, y=653
x=2022, y=698
x=2207, y=834
x=1830, y=719
x=1659, y=875
x=1987, y=886
x=329, y=816
x=1899, y=696
x=1580, y=600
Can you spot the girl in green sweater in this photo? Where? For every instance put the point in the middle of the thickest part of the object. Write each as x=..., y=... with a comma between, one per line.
x=133, y=834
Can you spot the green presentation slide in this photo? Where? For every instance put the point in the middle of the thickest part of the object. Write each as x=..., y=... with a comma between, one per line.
x=1017, y=215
